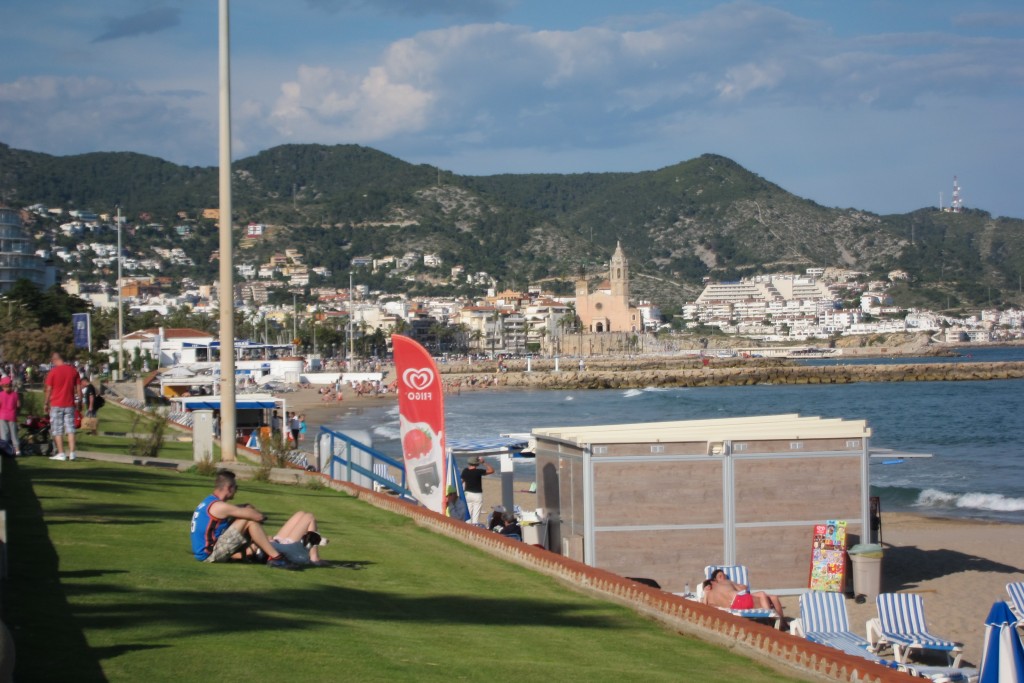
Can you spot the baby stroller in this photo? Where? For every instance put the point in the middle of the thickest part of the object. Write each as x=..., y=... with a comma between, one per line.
x=35, y=438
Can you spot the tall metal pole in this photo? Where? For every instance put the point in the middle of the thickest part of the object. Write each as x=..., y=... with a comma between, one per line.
x=228, y=418
x=120, y=304
x=351, y=319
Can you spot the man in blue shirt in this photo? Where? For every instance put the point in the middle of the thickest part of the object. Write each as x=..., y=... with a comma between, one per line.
x=221, y=531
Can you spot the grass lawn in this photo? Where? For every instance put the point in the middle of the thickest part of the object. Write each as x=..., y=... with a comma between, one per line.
x=113, y=420
x=102, y=586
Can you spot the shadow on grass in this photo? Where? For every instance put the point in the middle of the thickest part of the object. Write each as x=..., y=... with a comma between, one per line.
x=33, y=587
x=907, y=566
x=297, y=609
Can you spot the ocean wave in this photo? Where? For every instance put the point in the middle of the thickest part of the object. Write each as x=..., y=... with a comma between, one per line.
x=995, y=502
x=387, y=432
x=631, y=393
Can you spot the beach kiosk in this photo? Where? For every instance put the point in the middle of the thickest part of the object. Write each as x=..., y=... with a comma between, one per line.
x=663, y=500
x=253, y=411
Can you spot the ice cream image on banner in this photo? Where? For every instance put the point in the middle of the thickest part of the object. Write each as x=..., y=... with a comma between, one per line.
x=427, y=477
x=422, y=450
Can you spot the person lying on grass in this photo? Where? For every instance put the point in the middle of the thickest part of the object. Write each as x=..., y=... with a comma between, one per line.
x=221, y=531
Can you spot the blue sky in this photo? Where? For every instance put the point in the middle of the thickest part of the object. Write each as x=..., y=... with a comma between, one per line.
x=874, y=105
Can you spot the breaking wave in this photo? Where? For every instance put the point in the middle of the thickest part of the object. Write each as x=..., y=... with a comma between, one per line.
x=993, y=502
x=387, y=432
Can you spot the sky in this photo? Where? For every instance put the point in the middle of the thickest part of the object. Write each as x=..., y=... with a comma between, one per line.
x=874, y=105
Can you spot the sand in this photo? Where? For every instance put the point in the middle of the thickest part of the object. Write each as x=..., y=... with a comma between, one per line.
x=960, y=567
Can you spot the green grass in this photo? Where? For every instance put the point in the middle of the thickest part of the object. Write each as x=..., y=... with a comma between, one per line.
x=102, y=587
x=114, y=419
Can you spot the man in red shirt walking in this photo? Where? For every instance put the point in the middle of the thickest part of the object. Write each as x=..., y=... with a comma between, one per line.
x=61, y=397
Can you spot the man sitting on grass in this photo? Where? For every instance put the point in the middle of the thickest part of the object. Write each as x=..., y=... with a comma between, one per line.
x=222, y=531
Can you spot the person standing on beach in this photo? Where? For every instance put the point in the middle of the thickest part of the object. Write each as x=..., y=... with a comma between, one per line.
x=60, y=400
x=9, y=404
x=473, y=485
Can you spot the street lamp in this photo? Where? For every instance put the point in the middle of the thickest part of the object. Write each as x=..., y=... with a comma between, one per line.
x=120, y=304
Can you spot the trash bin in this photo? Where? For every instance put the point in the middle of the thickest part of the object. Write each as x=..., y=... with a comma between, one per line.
x=867, y=569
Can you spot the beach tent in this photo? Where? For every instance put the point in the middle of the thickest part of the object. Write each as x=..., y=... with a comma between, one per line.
x=1002, y=658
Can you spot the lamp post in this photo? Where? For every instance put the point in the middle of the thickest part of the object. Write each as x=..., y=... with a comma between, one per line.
x=351, y=318
x=120, y=304
x=228, y=418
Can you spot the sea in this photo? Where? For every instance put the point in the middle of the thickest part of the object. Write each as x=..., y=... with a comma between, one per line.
x=972, y=430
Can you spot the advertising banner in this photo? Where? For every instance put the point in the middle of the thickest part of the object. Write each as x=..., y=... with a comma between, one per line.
x=421, y=419
x=828, y=557
x=81, y=331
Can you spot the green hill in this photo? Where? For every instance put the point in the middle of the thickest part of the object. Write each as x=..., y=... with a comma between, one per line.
x=703, y=217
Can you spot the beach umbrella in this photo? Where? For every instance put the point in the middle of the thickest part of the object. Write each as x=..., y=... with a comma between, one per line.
x=1002, y=660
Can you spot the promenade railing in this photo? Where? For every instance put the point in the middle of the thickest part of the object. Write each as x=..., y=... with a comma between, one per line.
x=343, y=466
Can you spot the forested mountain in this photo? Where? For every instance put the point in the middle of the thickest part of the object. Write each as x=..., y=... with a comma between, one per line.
x=703, y=217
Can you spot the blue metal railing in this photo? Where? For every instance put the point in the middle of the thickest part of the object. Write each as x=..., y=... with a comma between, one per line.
x=342, y=465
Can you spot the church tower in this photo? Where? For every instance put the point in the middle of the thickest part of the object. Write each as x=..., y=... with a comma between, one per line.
x=618, y=275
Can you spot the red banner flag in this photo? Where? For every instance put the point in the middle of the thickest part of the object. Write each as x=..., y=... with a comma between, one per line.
x=421, y=418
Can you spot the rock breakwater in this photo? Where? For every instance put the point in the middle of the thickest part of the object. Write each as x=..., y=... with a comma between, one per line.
x=740, y=375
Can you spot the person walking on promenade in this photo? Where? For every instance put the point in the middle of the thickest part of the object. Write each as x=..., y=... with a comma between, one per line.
x=9, y=404
x=473, y=485
x=60, y=400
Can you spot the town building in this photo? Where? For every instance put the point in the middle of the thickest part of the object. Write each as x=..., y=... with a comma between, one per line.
x=607, y=309
x=18, y=259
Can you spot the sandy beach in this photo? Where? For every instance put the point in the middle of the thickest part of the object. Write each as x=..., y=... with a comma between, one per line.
x=959, y=566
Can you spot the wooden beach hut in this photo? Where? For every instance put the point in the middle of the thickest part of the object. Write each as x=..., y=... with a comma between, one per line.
x=662, y=500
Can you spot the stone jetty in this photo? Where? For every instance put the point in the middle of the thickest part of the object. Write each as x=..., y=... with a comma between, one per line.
x=637, y=374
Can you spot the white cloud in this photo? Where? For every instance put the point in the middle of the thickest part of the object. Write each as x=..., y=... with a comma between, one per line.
x=73, y=115
x=355, y=109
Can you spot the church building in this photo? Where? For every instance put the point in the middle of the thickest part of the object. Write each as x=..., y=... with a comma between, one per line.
x=608, y=309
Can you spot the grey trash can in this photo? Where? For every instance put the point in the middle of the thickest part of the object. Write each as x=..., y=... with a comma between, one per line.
x=867, y=569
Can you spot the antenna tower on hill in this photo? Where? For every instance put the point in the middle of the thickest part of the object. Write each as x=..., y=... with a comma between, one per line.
x=957, y=205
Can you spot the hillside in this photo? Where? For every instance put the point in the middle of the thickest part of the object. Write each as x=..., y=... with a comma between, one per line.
x=703, y=217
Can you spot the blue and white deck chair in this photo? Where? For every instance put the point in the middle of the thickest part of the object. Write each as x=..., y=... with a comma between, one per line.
x=824, y=621
x=901, y=625
x=381, y=470
x=1016, y=591
x=737, y=573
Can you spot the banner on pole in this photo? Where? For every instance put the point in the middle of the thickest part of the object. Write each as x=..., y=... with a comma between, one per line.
x=81, y=330
x=421, y=418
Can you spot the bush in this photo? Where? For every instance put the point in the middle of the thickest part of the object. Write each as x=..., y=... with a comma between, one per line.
x=149, y=428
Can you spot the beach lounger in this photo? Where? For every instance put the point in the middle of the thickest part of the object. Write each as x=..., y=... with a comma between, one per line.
x=824, y=620
x=381, y=470
x=942, y=674
x=737, y=573
x=901, y=625
x=1016, y=591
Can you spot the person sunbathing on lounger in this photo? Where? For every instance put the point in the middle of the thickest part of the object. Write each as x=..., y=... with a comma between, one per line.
x=719, y=591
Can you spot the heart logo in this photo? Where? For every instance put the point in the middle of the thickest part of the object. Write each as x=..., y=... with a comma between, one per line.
x=418, y=378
